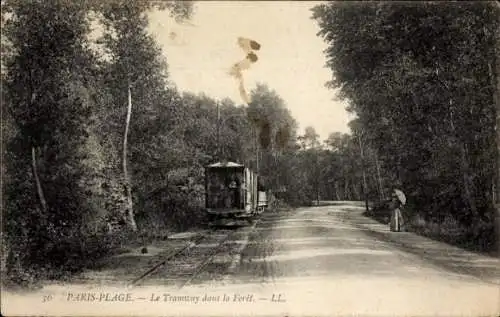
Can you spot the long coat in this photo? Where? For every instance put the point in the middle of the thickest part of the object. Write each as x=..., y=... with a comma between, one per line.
x=397, y=220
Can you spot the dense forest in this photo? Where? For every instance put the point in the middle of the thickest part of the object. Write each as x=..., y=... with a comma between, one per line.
x=100, y=145
x=422, y=78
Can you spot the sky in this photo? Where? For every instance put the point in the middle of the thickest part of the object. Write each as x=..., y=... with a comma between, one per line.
x=291, y=59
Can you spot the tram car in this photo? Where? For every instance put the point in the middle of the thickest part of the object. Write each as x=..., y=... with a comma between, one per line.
x=234, y=195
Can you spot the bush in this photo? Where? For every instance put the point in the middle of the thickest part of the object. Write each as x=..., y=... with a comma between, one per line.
x=381, y=211
x=174, y=207
x=478, y=236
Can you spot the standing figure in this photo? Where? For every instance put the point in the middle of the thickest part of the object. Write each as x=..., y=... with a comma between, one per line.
x=398, y=201
x=234, y=188
x=226, y=196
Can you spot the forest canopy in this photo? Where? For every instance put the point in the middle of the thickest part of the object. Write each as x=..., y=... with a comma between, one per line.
x=422, y=79
x=101, y=147
x=100, y=144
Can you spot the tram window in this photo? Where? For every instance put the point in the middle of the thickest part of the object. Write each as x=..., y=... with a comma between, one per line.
x=224, y=189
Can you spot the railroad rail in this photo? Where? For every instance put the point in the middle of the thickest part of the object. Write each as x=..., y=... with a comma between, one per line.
x=182, y=266
x=167, y=258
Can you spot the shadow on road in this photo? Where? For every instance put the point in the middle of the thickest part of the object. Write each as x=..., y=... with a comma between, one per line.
x=323, y=203
x=449, y=257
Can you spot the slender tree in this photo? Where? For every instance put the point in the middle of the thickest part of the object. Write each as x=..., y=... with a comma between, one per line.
x=52, y=191
x=138, y=71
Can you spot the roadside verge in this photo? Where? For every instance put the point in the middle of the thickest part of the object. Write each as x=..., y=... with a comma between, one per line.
x=485, y=268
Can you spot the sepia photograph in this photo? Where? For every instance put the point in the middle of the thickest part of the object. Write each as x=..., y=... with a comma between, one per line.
x=250, y=158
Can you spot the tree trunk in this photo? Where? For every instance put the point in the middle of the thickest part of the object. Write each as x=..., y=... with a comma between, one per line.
x=346, y=190
x=379, y=178
x=464, y=166
x=317, y=173
x=496, y=100
x=41, y=196
x=256, y=148
x=374, y=179
x=357, y=195
x=317, y=193
x=466, y=181
x=365, y=185
x=277, y=167
x=128, y=188
x=335, y=184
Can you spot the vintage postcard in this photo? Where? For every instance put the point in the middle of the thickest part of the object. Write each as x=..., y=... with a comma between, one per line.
x=250, y=158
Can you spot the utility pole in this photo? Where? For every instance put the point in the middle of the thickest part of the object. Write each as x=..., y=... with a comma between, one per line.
x=379, y=177
x=317, y=167
x=257, y=151
x=218, y=132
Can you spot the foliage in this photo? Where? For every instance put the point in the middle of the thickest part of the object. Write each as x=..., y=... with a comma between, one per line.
x=50, y=97
x=420, y=78
x=63, y=104
x=424, y=119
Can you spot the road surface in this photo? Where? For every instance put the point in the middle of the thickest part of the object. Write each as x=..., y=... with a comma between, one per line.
x=327, y=263
x=318, y=261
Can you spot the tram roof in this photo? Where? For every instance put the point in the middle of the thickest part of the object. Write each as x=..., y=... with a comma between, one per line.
x=225, y=164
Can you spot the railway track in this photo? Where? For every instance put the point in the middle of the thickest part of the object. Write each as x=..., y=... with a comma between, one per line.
x=166, y=258
x=181, y=266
